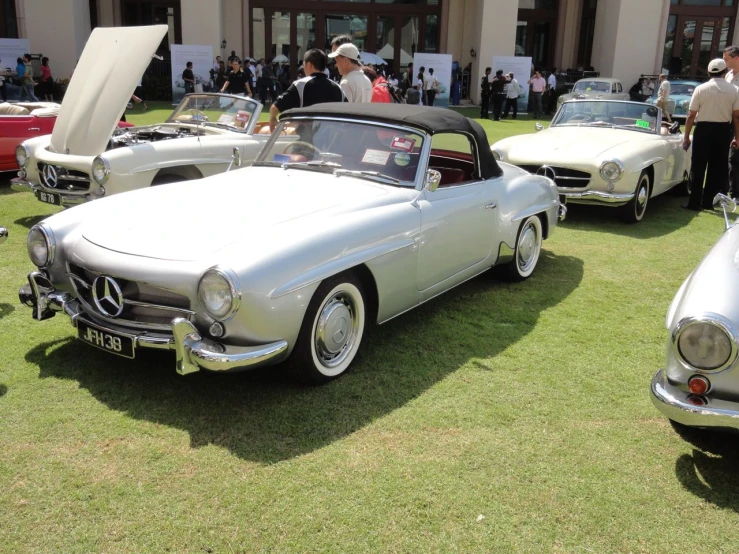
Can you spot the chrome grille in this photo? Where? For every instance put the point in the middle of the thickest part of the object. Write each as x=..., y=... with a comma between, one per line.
x=562, y=176
x=144, y=306
x=61, y=178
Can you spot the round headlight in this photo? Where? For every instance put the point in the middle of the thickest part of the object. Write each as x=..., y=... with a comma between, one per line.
x=40, y=244
x=611, y=171
x=22, y=153
x=219, y=293
x=100, y=170
x=496, y=154
x=705, y=344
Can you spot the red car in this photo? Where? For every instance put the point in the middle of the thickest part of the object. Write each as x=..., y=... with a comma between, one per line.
x=24, y=120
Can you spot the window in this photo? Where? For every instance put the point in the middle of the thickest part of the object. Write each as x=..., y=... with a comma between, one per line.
x=453, y=155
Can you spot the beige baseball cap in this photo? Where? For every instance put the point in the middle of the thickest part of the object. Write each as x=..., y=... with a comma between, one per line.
x=716, y=66
x=347, y=50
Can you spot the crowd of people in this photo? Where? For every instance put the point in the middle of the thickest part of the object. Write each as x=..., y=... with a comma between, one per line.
x=503, y=89
x=24, y=76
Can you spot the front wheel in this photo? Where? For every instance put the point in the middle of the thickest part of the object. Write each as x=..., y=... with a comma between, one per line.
x=332, y=330
x=528, y=249
x=634, y=211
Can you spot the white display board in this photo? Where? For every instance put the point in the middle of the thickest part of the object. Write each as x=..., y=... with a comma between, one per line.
x=10, y=50
x=520, y=66
x=202, y=60
x=442, y=66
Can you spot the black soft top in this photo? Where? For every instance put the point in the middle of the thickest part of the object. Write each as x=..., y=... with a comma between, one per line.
x=430, y=120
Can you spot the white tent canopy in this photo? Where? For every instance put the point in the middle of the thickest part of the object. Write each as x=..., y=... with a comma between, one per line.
x=368, y=58
x=388, y=52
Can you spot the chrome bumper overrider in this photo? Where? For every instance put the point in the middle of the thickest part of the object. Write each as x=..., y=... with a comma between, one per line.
x=673, y=403
x=193, y=352
x=597, y=197
x=67, y=200
x=562, y=213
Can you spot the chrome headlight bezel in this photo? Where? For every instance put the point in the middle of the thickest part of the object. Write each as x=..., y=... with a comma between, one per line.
x=49, y=240
x=611, y=164
x=100, y=170
x=22, y=155
x=714, y=320
x=231, y=286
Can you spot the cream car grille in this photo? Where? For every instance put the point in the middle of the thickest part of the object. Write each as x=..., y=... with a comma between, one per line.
x=63, y=179
x=142, y=306
x=562, y=176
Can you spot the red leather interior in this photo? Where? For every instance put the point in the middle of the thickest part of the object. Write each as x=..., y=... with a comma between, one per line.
x=450, y=175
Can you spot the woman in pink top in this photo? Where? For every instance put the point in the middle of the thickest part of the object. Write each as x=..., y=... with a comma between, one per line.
x=47, y=81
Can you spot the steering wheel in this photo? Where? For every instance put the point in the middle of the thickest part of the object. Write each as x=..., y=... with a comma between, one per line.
x=308, y=145
x=198, y=113
x=579, y=117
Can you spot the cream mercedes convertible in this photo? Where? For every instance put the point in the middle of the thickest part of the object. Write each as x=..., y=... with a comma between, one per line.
x=607, y=152
x=364, y=213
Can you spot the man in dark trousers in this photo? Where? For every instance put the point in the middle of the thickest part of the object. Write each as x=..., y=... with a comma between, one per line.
x=485, y=94
x=314, y=88
x=189, y=78
x=497, y=91
x=714, y=108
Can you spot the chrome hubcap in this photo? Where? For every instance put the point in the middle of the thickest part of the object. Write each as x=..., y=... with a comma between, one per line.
x=336, y=329
x=642, y=198
x=528, y=247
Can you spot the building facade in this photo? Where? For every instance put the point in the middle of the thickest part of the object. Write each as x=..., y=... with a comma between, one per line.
x=619, y=38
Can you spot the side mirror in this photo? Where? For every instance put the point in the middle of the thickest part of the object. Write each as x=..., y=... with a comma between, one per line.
x=235, y=159
x=3, y=234
x=728, y=205
x=433, y=178
x=539, y=127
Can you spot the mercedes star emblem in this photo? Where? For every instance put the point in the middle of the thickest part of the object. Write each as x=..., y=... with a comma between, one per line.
x=50, y=176
x=107, y=296
x=547, y=171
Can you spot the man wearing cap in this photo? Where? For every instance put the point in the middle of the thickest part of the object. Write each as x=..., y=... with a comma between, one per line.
x=714, y=108
x=356, y=86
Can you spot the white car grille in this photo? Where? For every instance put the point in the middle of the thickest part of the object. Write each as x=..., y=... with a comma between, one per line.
x=63, y=179
x=562, y=176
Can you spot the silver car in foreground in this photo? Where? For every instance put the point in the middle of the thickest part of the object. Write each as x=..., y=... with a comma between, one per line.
x=698, y=386
x=350, y=215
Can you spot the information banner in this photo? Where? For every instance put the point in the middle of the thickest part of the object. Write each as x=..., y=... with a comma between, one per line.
x=520, y=66
x=202, y=61
x=442, y=66
x=10, y=50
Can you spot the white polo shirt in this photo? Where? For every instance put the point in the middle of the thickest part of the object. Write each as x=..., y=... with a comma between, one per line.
x=357, y=87
x=715, y=101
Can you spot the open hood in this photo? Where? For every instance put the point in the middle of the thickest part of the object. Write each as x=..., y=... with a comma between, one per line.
x=104, y=80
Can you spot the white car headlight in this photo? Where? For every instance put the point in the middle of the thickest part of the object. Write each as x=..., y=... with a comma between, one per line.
x=611, y=171
x=705, y=343
x=22, y=153
x=219, y=292
x=100, y=170
x=41, y=245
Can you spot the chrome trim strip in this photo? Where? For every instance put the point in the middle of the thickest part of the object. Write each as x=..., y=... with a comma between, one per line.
x=158, y=307
x=598, y=196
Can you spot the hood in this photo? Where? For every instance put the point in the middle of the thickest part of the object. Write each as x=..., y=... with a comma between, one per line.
x=565, y=143
x=193, y=220
x=104, y=80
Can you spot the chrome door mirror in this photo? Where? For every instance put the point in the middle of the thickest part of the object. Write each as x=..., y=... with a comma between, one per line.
x=433, y=178
x=3, y=234
x=235, y=159
x=539, y=127
x=727, y=204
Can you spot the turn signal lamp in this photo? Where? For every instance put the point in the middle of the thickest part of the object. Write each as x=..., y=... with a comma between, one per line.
x=699, y=385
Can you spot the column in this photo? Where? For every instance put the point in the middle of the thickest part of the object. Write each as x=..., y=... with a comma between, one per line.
x=616, y=53
x=201, y=23
x=494, y=35
x=568, y=33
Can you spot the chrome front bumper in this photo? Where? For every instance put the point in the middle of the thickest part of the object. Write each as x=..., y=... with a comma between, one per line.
x=674, y=404
x=193, y=352
x=597, y=197
x=67, y=200
x=561, y=213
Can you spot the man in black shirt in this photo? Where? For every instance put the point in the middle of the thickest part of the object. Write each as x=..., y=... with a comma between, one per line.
x=236, y=81
x=497, y=91
x=315, y=88
x=485, y=94
x=189, y=78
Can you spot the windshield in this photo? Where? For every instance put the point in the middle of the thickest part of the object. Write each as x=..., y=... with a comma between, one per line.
x=214, y=110
x=377, y=152
x=592, y=86
x=602, y=113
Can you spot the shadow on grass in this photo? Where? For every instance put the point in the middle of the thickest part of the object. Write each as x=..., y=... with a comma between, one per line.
x=6, y=309
x=262, y=416
x=664, y=216
x=30, y=220
x=3, y=390
x=710, y=472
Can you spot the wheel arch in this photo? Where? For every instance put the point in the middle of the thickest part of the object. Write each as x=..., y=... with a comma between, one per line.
x=186, y=172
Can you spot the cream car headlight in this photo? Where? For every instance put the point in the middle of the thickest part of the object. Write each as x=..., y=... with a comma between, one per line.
x=100, y=170
x=219, y=293
x=22, y=153
x=611, y=171
x=497, y=154
x=706, y=343
x=41, y=245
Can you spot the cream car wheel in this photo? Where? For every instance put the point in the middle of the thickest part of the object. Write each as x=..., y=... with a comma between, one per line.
x=332, y=330
x=528, y=249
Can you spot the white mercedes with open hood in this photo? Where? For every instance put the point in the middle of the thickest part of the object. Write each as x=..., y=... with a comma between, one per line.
x=607, y=152
x=360, y=214
x=86, y=157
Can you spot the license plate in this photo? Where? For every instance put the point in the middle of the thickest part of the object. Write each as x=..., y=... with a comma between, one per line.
x=49, y=197
x=120, y=345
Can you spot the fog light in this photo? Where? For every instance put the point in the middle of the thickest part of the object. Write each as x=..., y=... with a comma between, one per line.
x=22, y=174
x=696, y=400
x=699, y=385
x=216, y=330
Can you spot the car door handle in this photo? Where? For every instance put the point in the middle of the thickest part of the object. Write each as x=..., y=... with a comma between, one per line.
x=34, y=128
x=491, y=206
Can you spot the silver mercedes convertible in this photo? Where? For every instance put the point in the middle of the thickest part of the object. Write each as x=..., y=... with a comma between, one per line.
x=350, y=215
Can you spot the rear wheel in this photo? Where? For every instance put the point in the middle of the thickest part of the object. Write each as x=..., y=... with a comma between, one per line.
x=332, y=330
x=634, y=211
x=528, y=249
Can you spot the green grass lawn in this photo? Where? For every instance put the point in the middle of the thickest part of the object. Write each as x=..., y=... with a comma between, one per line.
x=496, y=418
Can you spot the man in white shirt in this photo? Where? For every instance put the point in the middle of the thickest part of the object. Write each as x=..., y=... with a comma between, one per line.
x=663, y=97
x=513, y=91
x=355, y=84
x=552, y=91
x=731, y=57
x=538, y=86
